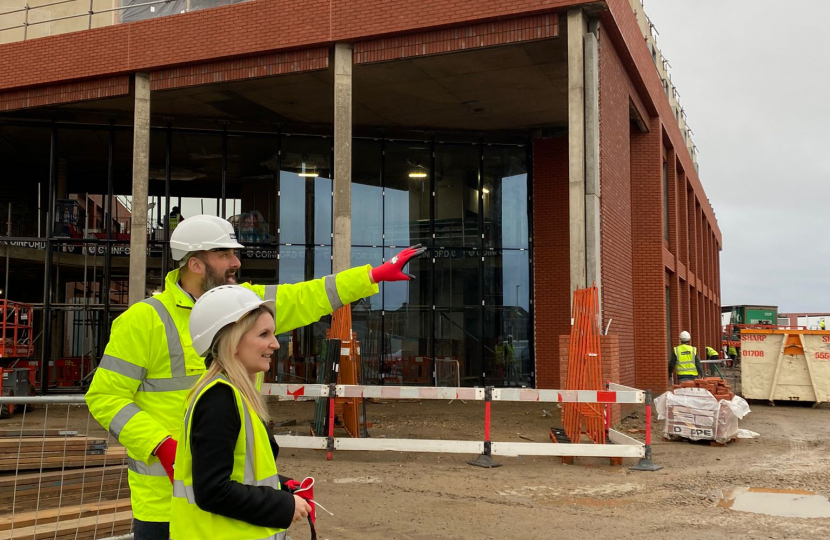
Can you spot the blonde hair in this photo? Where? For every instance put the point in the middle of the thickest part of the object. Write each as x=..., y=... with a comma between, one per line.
x=224, y=362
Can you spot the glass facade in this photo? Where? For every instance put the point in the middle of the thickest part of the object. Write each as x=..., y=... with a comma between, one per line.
x=466, y=317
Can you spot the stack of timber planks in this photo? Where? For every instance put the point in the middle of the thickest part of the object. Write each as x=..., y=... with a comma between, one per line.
x=59, y=484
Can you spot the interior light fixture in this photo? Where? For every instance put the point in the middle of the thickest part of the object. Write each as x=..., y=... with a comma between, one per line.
x=307, y=174
x=417, y=174
x=485, y=191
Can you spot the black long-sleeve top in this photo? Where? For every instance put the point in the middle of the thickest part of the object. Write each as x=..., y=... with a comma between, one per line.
x=213, y=434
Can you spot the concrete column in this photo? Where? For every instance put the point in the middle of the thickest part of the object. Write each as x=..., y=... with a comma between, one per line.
x=576, y=147
x=593, y=252
x=141, y=172
x=342, y=242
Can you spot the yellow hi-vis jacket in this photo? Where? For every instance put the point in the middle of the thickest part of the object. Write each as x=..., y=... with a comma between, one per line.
x=711, y=353
x=253, y=465
x=685, y=360
x=149, y=365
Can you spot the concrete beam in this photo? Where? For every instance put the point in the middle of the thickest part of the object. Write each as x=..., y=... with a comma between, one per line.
x=593, y=252
x=576, y=147
x=141, y=172
x=342, y=241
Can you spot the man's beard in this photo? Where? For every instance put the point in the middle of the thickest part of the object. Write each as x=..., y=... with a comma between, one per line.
x=214, y=278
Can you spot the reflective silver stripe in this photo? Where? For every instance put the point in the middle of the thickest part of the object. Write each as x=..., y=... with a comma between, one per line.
x=271, y=481
x=183, y=492
x=174, y=343
x=156, y=469
x=270, y=292
x=122, y=417
x=122, y=367
x=331, y=292
x=168, y=385
x=249, y=476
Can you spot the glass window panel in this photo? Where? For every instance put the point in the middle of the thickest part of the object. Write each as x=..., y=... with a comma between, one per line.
x=408, y=324
x=407, y=200
x=507, y=354
x=456, y=196
x=367, y=194
x=24, y=154
x=323, y=210
x=251, y=202
x=366, y=318
x=504, y=194
x=305, y=190
x=195, y=173
x=458, y=311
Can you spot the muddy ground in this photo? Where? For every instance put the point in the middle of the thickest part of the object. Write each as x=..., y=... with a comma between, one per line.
x=404, y=496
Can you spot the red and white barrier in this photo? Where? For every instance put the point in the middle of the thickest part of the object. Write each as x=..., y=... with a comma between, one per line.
x=621, y=446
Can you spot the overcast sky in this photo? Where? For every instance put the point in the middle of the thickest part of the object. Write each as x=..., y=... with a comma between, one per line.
x=754, y=79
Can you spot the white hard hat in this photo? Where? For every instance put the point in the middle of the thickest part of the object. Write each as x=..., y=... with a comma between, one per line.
x=685, y=336
x=218, y=308
x=202, y=233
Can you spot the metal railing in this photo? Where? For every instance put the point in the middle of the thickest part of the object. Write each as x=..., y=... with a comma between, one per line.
x=61, y=474
x=26, y=14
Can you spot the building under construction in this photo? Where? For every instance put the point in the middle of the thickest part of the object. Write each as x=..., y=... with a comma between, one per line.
x=534, y=147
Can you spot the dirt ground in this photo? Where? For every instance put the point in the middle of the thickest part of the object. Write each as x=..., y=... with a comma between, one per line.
x=405, y=496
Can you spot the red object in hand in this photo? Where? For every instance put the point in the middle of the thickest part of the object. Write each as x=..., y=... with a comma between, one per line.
x=166, y=452
x=392, y=270
x=304, y=490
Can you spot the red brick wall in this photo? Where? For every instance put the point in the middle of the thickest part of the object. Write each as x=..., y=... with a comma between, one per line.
x=266, y=65
x=239, y=30
x=551, y=279
x=649, y=285
x=458, y=39
x=106, y=87
x=615, y=95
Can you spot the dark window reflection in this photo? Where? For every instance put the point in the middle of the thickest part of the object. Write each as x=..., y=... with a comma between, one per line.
x=504, y=194
x=305, y=191
x=456, y=195
x=251, y=203
x=367, y=194
x=458, y=310
x=506, y=336
x=407, y=166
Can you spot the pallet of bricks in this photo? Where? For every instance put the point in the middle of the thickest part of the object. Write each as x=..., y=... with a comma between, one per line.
x=60, y=484
x=701, y=410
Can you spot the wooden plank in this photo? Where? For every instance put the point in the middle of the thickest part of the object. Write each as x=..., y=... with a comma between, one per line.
x=38, y=433
x=98, y=526
x=35, y=478
x=65, y=513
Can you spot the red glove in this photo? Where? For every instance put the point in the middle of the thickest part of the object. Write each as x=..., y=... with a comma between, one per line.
x=391, y=270
x=304, y=490
x=166, y=452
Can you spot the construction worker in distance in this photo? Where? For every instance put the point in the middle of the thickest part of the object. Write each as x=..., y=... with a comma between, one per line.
x=174, y=218
x=226, y=485
x=821, y=324
x=684, y=358
x=711, y=354
x=149, y=364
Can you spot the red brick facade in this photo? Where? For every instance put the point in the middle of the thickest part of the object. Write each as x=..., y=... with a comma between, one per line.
x=640, y=260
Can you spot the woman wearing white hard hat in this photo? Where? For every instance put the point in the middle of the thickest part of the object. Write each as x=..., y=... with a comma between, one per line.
x=226, y=484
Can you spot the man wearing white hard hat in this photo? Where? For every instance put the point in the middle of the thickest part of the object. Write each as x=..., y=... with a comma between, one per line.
x=149, y=364
x=684, y=358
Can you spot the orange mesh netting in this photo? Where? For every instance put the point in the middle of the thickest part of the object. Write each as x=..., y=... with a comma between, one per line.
x=584, y=368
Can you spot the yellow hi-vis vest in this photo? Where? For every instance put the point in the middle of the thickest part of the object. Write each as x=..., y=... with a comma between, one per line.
x=685, y=360
x=710, y=352
x=253, y=465
x=149, y=366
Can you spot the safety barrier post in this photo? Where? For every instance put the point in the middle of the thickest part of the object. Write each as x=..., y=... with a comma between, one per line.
x=485, y=460
x=330, y=438
x=645, y=463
